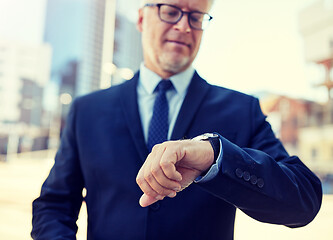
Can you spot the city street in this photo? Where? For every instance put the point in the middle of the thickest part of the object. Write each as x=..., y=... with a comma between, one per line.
x=21, y=179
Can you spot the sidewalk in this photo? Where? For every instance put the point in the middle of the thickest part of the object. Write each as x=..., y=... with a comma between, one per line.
x=21, y=179
x=319, y=229
x=20, y=183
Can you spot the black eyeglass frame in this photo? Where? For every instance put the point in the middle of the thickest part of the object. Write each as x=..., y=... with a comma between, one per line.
x=159, y=5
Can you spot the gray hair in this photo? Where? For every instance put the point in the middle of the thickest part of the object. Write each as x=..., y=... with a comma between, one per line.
x=143, y=2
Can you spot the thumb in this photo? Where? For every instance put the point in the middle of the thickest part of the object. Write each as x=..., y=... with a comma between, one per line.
x=146, y=200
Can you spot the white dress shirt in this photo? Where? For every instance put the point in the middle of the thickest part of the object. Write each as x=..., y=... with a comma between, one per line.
x=148, y=81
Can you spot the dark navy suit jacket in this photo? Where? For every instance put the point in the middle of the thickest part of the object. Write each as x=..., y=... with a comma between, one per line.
x=103, y=148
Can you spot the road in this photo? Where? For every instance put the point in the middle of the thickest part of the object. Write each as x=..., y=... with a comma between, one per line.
x=21, y=179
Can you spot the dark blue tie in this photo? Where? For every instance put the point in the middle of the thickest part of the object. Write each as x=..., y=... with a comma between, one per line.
x=159, y=123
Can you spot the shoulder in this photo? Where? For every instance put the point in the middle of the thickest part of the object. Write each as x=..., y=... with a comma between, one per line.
x=227, y=93
x=110, y=95
x=223, y=93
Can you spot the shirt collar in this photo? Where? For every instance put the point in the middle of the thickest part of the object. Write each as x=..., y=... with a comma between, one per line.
x=149, y=80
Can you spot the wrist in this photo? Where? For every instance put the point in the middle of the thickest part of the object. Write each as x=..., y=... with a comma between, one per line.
x=214, y=143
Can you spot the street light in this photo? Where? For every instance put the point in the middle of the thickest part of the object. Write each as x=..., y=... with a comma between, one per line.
x=115, y=75
x=126, y=73
x=65, y=98
x=109, y=68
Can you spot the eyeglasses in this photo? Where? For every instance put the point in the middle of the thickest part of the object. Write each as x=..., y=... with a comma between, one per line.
x=172, y=14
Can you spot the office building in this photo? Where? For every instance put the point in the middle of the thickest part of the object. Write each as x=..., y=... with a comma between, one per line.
x=24, y=73
x=86, y=35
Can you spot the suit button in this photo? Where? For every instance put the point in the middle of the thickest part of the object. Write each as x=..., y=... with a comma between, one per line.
x=253, y=179
x=246, y=176
x=260, y=183
x=155, y=206
x=239, y=173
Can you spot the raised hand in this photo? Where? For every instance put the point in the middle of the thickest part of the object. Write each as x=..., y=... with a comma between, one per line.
x=171, y=167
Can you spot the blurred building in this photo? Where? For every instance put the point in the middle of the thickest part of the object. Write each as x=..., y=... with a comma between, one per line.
x=74, y=28
x=289, y=115
x=95, y=43
x=81, y=32
x=301, y=125
x=24, y=72
x=316, y=27
x=127, y=46
x=316, y=141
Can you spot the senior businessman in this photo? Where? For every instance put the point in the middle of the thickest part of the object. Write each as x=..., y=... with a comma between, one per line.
x=167, y=155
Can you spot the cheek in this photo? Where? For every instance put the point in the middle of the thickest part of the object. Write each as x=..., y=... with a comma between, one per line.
x=153, y=39
x=196, y=42
x=148, y=41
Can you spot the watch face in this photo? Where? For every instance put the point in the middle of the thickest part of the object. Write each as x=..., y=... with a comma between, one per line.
x=205, y=136
x=210, y=135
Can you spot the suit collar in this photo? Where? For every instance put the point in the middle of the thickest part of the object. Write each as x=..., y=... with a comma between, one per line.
x=129, y=103
x=148, y=79
x=196, y=92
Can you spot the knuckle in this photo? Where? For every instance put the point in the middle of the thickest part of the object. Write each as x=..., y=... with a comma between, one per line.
x=155, y=171
x=155, y=147
x=151, y=193
x=139, y=180
x=148, y=177
x=166, y=192
x=164, y=164
x=169, y=185
x=161, y=191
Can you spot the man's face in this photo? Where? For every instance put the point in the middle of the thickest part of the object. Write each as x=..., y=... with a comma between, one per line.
x=170, y=48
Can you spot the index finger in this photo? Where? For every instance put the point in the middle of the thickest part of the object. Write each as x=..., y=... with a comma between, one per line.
x=171, y=155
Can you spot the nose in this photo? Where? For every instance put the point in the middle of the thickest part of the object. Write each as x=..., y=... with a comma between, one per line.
x=183, y=24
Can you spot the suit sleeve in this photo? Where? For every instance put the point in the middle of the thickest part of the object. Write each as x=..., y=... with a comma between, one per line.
x=56, y=210
x=265, y=182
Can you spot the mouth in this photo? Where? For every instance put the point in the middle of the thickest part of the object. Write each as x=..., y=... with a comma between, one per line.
x=179, y=43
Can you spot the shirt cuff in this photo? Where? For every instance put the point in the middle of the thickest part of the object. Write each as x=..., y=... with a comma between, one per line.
x=214, y=169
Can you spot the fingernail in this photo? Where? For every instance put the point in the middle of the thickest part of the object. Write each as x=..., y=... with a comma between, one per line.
x=159, y=197
x=177, y=189
x=171, y=195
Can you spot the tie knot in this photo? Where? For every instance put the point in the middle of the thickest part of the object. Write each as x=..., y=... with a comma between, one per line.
x=164, y=86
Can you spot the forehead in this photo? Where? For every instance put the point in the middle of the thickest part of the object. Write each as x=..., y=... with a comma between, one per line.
x=193, y=5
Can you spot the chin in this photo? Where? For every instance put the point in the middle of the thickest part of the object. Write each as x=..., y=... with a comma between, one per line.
x=172, y=64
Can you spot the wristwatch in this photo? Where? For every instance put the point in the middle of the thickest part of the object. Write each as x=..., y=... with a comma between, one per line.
x=214, y=140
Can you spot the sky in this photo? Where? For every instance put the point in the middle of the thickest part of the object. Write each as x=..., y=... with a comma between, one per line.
x=256, y=46
x=250, y=46
x=22, y=20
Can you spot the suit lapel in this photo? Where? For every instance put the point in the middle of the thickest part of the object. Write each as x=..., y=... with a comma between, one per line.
x=129, y=103
x=197, y=90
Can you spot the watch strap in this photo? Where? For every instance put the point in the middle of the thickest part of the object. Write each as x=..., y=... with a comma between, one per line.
x=214, y=141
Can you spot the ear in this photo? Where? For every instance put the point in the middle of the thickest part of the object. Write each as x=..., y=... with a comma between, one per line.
x=140, y=20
